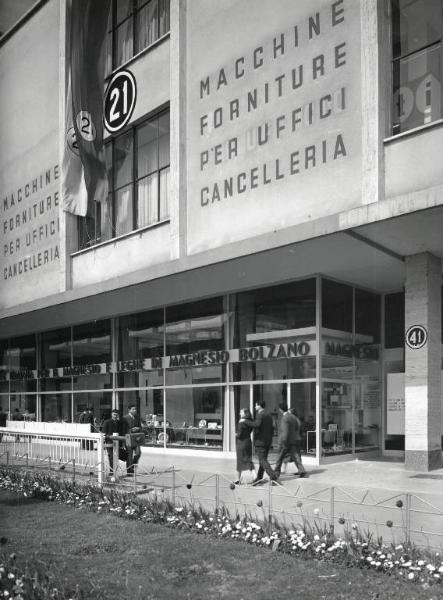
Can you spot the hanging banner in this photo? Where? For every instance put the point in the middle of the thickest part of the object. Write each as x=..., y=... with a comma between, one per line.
x=89, y=23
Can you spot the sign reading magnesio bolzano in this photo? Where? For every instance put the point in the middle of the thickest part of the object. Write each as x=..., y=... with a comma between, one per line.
x=274, y=115
x=119, y=101
x=416, y=337
x=295, y=349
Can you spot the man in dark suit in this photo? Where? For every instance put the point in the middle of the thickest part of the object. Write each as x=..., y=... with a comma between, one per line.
x=112, y=426
x=289, y=441
x=87, y=417
x=263, y=431
x=133, y=425
x=3, y=419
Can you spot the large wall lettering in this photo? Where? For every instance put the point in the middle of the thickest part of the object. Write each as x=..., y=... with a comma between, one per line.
x=30, y=227
x=273, y=116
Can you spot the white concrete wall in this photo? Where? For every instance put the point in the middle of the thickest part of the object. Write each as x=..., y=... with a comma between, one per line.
x=131, y=253
x=412, y=161
x=29, y=117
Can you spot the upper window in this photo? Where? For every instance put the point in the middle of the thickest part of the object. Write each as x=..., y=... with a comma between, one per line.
x=138, y=176
x=135, y=25
x=417, y=27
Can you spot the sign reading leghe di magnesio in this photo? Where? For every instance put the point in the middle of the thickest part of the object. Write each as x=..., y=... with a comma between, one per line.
x=274, y=115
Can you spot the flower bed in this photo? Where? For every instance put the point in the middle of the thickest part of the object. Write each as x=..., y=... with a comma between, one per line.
x=305, y=540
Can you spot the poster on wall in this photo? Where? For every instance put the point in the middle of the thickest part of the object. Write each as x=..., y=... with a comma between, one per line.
x=395, y=404
x=274, y=115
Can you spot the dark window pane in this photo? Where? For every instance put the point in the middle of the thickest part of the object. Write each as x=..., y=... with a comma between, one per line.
x=147, y=200
x=163, y=132
x=141, y=336
x=56, y=349
x=195, y=326
x=417, y=28
x=415, y=24
x=417, y=89
x=92, y=342
x=147, y=25
x=367, y=316
x=395, y=320
x=123, y=37
x=123, y=8
x=124, y=219
x=147, y=148
x=336, y=306
x=164, y=17
x=274, y=309
x=123, y=155
x=164, y=194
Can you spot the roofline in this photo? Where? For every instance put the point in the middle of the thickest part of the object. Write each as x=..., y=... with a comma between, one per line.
x=28, y=15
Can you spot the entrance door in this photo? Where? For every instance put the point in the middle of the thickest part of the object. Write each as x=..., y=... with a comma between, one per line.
x=350, y=416
x=337, y=417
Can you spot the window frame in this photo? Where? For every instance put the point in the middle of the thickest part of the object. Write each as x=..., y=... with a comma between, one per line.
x=397, y=57
x=136, y=7
x=93, y=221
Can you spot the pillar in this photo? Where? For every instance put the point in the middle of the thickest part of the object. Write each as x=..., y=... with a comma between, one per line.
x=423, y=397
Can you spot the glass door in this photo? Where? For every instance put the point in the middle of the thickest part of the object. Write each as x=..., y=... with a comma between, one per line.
x=337, y=416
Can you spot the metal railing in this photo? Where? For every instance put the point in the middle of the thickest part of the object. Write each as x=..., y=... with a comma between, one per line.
x=395, y=517
x=77, y=453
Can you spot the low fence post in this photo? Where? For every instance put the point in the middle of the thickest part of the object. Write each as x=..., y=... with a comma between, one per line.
x=101, y=459
x=332, y=510
x=73, y=469
x=115, y=457
x=270, y=506
x=173, y=485
x=408, y=517
x=217, y=492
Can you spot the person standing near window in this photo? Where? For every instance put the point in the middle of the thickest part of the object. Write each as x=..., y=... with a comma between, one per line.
x=133, y=426
x=112, y=427
x=3, y=419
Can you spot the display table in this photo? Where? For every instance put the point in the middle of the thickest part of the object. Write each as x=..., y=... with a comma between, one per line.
x=187, y=435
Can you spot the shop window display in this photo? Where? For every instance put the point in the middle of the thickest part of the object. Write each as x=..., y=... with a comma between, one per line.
x=351, y=385
x=91, y=353
x=22, y=364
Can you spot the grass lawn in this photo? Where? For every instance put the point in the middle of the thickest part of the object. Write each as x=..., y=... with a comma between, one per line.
x=118, y=559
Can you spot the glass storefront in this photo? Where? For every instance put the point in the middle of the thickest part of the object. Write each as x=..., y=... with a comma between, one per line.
x=189, y=368
x=351, y=370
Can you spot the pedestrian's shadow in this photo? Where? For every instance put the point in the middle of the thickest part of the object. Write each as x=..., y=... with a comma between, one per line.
x=309, y=473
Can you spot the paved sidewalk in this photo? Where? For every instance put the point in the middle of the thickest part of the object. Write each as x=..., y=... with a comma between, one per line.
x=376, y=474
x=368, y=492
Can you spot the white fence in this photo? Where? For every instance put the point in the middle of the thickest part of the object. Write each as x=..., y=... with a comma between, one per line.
x=78, y=450
x=42, y=427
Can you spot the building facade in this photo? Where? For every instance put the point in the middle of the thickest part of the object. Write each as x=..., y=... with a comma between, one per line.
x=272, y=229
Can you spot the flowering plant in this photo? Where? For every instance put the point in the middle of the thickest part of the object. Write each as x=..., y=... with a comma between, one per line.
x=303, y=540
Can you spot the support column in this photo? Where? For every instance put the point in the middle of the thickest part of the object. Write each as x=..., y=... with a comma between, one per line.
x=423, y=415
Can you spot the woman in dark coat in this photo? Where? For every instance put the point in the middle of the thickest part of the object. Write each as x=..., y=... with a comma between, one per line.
x=243, y=444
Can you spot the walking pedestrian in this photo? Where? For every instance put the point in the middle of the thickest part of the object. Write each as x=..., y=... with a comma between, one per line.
x=289, y=441
x=243, y=444
x=263, y=431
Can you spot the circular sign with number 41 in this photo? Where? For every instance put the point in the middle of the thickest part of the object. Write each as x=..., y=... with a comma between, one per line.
x=119, y=100
x=416, y=337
